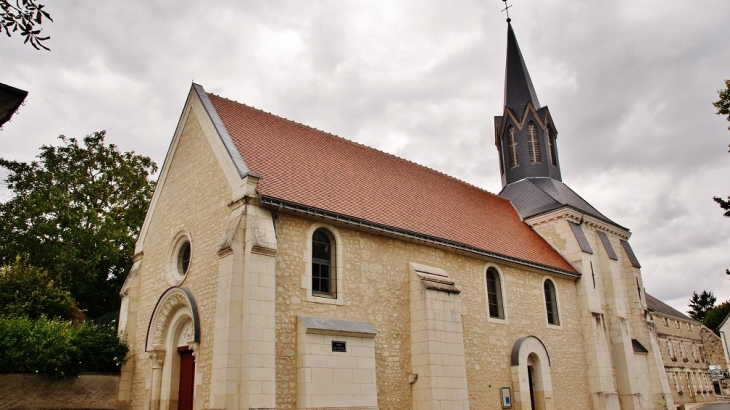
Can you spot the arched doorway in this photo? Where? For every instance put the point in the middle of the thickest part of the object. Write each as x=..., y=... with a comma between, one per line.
x=172, y=338
x=531, y=377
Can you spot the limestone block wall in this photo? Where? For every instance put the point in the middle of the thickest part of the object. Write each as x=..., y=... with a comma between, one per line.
x=610, y=291
x=329, y=377
x=194, y=197
x=437, y=341
x=376, y=290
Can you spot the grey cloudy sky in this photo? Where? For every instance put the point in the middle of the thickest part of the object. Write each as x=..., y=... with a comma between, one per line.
x=629, y=84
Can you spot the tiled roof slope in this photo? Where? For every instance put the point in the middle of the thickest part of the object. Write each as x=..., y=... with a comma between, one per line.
x=308, y=167
x=657, y=305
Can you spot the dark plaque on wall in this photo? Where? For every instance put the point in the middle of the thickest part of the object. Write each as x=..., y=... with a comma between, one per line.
x=339, y=346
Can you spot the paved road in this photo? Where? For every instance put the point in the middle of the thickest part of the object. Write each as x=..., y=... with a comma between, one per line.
x=720, y=406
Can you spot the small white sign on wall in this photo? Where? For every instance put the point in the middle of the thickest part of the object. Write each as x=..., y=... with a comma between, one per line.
x=506, y=397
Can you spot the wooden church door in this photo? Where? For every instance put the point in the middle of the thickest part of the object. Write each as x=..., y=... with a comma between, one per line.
x=187, y=378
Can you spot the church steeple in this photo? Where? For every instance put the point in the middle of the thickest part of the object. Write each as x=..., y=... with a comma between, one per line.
x=525, y=135
x=518, y=88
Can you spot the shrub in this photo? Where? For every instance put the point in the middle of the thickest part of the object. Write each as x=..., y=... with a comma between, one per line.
x=58, y=348
x=28, y=291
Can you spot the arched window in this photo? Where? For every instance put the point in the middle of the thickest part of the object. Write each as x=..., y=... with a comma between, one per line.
x=323, y=277
x=534, y=144
x=551, y=148
x=551, y=303
x=512, y=147
x=494, y=294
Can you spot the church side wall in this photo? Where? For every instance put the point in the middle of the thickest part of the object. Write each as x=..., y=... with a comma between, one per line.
x=194, y=197
x=376, y=290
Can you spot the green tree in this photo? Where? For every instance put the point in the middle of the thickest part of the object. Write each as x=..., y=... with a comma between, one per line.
x=28, y=291
x=716, y=316
x=723, y=108
x=700, y=304
x=26, y=16
x=75, y=213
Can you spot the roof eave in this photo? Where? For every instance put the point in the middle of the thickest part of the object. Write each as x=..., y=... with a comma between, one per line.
x=317, y=212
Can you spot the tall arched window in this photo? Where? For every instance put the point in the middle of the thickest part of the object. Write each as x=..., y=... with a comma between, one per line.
x=551, y=148
x=534, y=144
x=494, y=294
x=323, y=277
x=512, y=147
x=551, y=303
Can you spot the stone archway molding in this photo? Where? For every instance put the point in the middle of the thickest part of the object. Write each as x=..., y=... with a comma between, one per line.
x=517, y=347
x=170, y=302
x=531, y=375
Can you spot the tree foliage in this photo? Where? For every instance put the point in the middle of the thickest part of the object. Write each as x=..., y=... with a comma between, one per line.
x=75, y=212
x=28, y=291
x=723, y=108
x=701, y=304
x=716, y=316
x=25, y=16
x=58, y=348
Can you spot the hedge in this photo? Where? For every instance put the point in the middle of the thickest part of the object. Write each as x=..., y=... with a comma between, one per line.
x=58, y=348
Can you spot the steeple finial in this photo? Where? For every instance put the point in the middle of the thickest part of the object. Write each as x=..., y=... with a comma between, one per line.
x=506, y=8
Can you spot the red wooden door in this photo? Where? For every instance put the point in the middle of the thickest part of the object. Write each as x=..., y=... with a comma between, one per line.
x=187, y=378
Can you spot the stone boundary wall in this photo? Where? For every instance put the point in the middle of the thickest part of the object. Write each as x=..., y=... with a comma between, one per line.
x=30, y=391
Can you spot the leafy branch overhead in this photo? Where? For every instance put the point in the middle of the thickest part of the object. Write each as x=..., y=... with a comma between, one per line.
x=25, y=16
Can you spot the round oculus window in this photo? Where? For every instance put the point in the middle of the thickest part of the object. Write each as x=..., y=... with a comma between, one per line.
x=179, y=258
x=183, y=259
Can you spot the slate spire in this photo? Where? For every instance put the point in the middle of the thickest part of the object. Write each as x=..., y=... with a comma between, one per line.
x=526, y=139
x=518, y=88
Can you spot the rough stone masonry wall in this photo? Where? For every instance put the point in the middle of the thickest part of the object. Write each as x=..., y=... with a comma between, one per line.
x=31, y=392
x=376, y=290
x=713, y=348
x=194, y=197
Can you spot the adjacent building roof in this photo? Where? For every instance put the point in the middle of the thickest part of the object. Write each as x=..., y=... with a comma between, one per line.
x=534, y=196
x=301, y=165
x=10, y=100
x=656, y=305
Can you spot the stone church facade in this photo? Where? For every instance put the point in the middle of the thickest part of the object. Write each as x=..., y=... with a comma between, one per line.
x=281, y=267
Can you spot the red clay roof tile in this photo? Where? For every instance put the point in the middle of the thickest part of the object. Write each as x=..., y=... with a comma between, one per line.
x=309, y=167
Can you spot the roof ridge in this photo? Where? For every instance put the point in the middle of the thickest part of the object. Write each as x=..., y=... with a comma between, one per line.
x=361, y=145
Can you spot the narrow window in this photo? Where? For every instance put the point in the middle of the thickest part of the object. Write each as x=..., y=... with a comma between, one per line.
x=323, y=279
x=551, y=148
x=551, y=305
x=534, y=145
x=494, y=294
x=512, y=147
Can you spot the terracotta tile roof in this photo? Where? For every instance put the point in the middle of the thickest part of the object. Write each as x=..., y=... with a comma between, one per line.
x=309, y=167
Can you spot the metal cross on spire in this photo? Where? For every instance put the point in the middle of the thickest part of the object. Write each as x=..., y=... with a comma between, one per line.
x=506, y=8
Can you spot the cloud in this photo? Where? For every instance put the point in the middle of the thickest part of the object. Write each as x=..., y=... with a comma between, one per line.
x=629, y=85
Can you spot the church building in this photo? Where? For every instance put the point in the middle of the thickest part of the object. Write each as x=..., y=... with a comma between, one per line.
x=282, y=267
